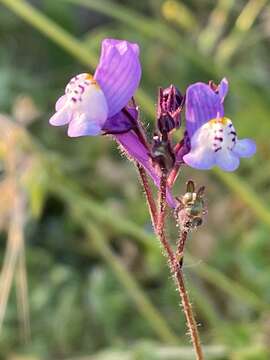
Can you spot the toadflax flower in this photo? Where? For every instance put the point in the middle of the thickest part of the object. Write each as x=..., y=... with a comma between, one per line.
x=213, y=138
x=100, y=104
x=90, y=102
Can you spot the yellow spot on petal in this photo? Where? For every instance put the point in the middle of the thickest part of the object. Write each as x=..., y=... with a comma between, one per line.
x=224, y=121
x=90, y=78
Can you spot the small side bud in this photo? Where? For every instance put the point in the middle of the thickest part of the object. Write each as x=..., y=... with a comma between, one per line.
x=169, y=107
x=191, y=208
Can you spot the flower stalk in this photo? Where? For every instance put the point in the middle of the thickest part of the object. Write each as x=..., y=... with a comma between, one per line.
x=187, y=212
x=148, y=194
x=160, y=225
x=187, y=308
x=180, y=247
x=175, y=259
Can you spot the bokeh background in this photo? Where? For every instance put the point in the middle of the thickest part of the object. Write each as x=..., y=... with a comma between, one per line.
x=82, y=275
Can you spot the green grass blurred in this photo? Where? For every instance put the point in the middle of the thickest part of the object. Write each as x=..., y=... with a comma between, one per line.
x=96, y=283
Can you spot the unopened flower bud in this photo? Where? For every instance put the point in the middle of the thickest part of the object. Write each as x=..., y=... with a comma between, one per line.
x=170, y=103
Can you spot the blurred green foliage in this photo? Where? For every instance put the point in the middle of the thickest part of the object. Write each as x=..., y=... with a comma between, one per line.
x=96, y=278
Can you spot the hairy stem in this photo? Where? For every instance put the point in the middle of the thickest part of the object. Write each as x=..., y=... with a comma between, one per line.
x=191, y=323
x=175, y=259
x=180, y=247
x=179, y=278
x=160, y=225
x=148, y=194
x=158, y=216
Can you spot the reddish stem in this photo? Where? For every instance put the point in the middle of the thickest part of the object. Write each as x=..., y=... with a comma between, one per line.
x=160, y=227
x=180, y=247
x=173, y=175
x=149, y=196
x=175, y=260
x=191, y=323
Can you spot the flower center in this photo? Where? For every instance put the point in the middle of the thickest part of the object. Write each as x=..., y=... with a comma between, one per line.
x=222, y=134
x=78, y=86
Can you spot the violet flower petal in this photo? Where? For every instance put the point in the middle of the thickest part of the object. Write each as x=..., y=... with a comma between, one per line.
x=227, y=160
x=118, y=73
x=223, y=89
x=245, y=148
x=202, y=105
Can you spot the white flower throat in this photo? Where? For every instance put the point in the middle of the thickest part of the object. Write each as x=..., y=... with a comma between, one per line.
x=78, y=86
x=222, y=134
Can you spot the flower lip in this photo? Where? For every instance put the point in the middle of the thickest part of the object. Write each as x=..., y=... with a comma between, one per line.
x=81, y=92
x=216, y=143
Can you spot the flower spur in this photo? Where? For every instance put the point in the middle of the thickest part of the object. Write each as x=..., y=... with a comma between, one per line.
x=213, y=138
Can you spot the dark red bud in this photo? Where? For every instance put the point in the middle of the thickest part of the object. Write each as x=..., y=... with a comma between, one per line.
x=170, y=104
x=213, y=86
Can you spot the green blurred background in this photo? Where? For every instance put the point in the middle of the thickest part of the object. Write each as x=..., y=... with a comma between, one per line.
x=82, y=275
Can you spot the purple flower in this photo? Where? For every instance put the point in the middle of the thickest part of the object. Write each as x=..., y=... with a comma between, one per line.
x=90, y=102
x=213, y=139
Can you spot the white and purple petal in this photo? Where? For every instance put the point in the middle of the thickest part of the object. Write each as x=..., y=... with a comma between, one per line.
x=201, y=155
x=216, y=143
x=227, y=160
x=118, y=73
x=200, y=158
x=244, y=148
x=80, y=125
x=62, y=117
x=83, y=107
x=60, y=102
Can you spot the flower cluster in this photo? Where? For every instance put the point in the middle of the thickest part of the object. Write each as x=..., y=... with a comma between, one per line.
x=104, y=104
